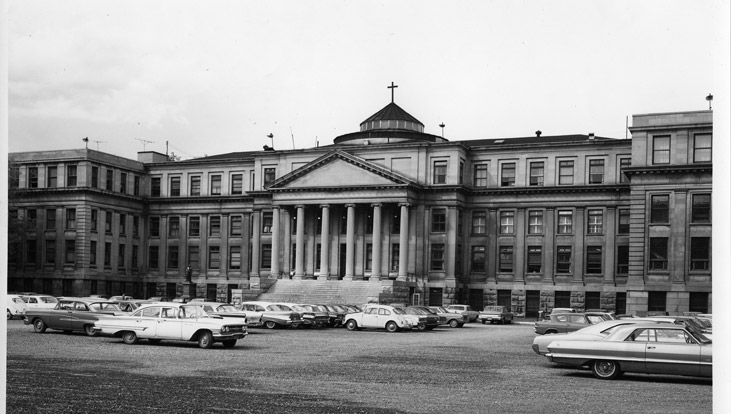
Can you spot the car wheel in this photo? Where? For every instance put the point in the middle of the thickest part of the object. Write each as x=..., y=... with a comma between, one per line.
x=154, y=341
x=39, y=326
x=605, y=369
x=551, y=331
x=351, y=325
x=229, y=343
x=421, y=327
x=89, y=330
x=205, y=340
x=270, y=324
x=129, y=337
x=391, y=327
x=454, y=323
x=10, y=315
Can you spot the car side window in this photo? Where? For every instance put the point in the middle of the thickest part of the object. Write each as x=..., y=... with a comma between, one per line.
x=32, y=300
x=151, y=312
x=384, y=312
x=80, y=306
x=670, y=335
x=578, y=319
x=371, y=311
x=642, y=335
x=594, y=318
x=562, y=318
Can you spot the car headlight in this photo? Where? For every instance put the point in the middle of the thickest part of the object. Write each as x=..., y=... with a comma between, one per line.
x=224, y=329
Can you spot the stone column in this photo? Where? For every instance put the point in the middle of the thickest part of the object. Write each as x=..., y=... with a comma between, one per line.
x=275, y=242
x=350, y=242
x=450, y=249
x=325, y=243
x=299, y=260
x=403, y=243
x=610, y=241
x=549, y=242
x=376, y=246
x=255, y=245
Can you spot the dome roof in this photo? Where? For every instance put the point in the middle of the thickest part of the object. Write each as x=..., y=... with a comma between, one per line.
x=392, y=116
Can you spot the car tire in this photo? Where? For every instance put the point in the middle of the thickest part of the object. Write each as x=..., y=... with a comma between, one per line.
x=607, y=370
x=421, y=327
x=229, y=343
x=454, y=323
x=551, y=331
x=270, y=324
x=154, y=341
x=391, y=326
x=10, y=315
x=205, y=340
x=89, y=330
x=351, y=325
x=39, y=326
x=129, y=337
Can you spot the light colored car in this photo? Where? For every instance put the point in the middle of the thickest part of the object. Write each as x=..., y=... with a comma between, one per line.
x=567, y=322
x=454, y=320
x=71, y=314
x=40, y=301
x=16, y=306
x=270, y=315
x=645, y=348
x=495, y=314
x=173, y=321
x=224, y=310
x=379, y=317
x=465, y=310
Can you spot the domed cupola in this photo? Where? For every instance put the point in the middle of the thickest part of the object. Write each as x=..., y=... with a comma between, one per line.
x=392, y=117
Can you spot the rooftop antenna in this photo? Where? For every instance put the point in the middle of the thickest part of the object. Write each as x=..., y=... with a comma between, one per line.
x=97, y=144
x=144, y=143
x=86, y=141
x=292, y=133
x=709, y=98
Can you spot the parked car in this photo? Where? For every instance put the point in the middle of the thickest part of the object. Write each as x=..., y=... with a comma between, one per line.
x=593, y=332
x=562, y=323
x=71, y=314
x=336, y=313
x=455, y=320
x=465, y=310
x=224, y=310
x=173, y=321
x=379, y=317
x=270, y=315
x=645, y=348
x=40, y=301
x=311, y=316
x=495, y=314
x=426, y=319
x=120, y=297
x=159, y=299
x=16, y=306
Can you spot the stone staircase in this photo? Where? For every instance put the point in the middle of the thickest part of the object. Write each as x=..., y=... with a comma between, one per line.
x=323, y=291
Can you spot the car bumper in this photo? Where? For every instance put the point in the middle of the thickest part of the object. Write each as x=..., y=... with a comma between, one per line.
x=226, y=337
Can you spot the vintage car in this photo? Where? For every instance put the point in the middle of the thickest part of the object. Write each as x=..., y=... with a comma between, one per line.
x=336, y=313
x=455, y=320
x=495, y=314
x=593, y=332
x=426, y=319
x=465, y=310
x=16, y=306
x=568, y=322
x=173, y=321
x=224, y=310
x=311, y=316
x=40, y=301
x=71, y=314
x=649, y=348
x=130, y=305
x=379, y=317
x=270, y=315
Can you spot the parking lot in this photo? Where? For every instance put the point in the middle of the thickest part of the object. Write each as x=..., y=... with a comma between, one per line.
x=475, y=369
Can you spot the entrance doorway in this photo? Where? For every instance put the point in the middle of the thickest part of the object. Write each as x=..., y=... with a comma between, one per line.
x=341, y=261
x=532, y=303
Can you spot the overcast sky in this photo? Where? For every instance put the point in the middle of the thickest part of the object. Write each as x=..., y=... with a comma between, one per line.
x=212, y=77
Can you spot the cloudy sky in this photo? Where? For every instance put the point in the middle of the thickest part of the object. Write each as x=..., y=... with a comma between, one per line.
x=210, y=77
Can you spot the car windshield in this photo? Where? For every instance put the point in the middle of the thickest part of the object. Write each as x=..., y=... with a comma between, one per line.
x=18, y=300
x=226, y=309
x=100, y=306
x=399, y=311
x=301, y=308
x=48, y=299
x=279, y=308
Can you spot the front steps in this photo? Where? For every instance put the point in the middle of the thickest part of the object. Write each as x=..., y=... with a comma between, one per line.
x=328, y=291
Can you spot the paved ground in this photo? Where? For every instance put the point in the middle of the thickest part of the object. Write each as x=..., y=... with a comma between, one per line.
x=475, y=369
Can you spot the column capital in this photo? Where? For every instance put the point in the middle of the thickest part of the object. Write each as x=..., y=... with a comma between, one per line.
x=324, y=205
x=299, y=206
x=350, y=205
x=376, y=204
x=276, y=207
x=404, y=204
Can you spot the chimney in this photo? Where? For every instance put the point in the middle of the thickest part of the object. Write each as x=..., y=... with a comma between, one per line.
x=591, y=135
x=538, y=133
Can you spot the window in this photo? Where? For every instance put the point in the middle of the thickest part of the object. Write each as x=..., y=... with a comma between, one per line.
x=701, y=208
x=396, y=222
x=480, y=179
x=32, y=219
x=566, y=172
x=70, y=176
x=656, y=301
x=108, y=215
x=563, y=259
x=50, y=219
x=154, y=226
x=154, y=257
x=437, y=257
x=107, y=255
x=461, y=172
x=270, y=174
x=479, y=222
x=51, y=252
x=95, y=177
x=110, y=179
x=32, y=177
x=92, y=252
x=123, y=183
x=70, y=251
x=440, y=172
x=368, y=256
x=195, y=185
x=507, y=175
x=122, y=224
x=661, y=150
x=70, y=219
x=658, y=253
x=215, y=185
x=596, y=222
x=214, y=257
x=267, y=219
x=52, y=177
x=702, y=147
x=135, y=226
x=173, y=257
x=699, y=253
x=535, y=259
x=194, y=257
x=536, y=173
x=659, y=208
x=395, y=254
x=235, y=226
x=506, y=259
x=121, y=255
x=535, y=222
x=596, y=171
x=214, y=226
x=507, y=222
x=94, y=220
x=174, y=186
x=622, y=260
x=174, y=227
x=623, y=222
x=698, y=302
x=438, y=220
x=136, y=186
x=134, y=256
x=30, y=251
x=234, y=257
x=593, y=259
x=194, y=226
x=478, y=259
x=237, y=183
x=155, y=186
x=624, y=163
x=14, y=176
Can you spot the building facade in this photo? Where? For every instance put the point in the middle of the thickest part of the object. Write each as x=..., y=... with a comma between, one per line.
x=528, y=222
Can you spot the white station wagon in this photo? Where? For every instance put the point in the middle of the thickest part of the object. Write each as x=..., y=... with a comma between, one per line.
x=173, y=321
x=380, y=317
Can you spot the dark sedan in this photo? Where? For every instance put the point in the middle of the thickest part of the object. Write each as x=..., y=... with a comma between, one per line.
x=72, y=314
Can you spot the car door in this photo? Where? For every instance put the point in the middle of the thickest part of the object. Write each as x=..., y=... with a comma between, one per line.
x=60, y=318
x=673, y=351
x=169, y=324
x=370, y=318
x=384, y=315
x=576, y=322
